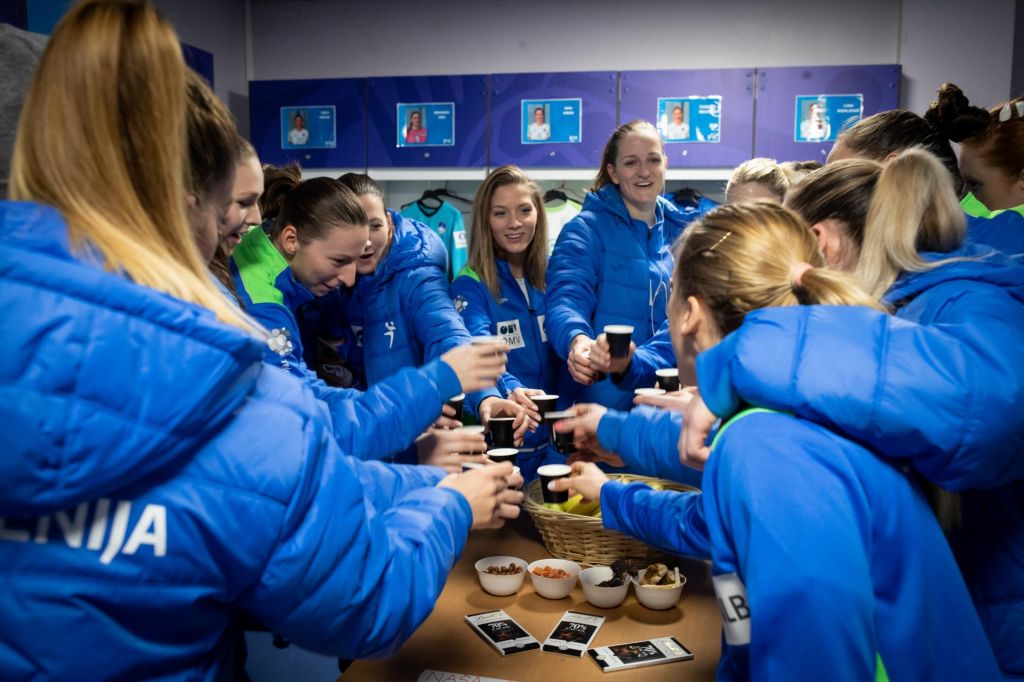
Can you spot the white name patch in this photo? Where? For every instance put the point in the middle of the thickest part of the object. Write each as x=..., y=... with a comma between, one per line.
x=732, y=601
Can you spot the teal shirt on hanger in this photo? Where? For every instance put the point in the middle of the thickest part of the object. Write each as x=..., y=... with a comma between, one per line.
x=446, y=221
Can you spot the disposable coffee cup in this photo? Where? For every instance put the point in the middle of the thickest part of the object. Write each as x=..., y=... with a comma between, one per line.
x=499, y=455
x=501, y=432
x=469, y=466
x=545, y=403
x=485, y=340
x=457, y=403
x=563, y=441
x=668, y=379
x=649, y=391
x=472, y=428
x=552, y=472
x=618, y=336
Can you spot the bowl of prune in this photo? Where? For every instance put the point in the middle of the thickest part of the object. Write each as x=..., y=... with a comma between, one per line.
x=606, y=586
x=501, y=575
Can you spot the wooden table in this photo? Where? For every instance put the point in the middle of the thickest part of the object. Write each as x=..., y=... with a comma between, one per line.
x=446, y=643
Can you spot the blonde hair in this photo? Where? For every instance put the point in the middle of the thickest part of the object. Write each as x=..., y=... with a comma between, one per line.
x=741, y=257
x=798, y=170
x=765, y=172
x=102, y=139
x=914, y=209
x=481, y=240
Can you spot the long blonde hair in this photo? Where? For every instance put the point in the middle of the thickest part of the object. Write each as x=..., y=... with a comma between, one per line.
x=481, y=240
x=102, y=139
x=741, y=257
x=914, y=209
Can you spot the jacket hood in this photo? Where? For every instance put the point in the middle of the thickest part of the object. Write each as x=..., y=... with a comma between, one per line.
x=981, y=266
x=414, y=245
x=608, y=200
x=105, y=384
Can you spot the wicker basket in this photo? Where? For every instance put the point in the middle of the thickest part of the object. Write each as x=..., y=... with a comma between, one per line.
x=584, y=539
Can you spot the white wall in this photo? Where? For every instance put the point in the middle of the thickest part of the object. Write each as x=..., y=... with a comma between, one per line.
x=935, y=40
x=217, y=26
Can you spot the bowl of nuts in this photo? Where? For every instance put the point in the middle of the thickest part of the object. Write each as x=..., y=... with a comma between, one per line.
x=501, y=575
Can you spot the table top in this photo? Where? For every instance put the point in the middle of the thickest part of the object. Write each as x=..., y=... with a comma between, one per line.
x=445, y=642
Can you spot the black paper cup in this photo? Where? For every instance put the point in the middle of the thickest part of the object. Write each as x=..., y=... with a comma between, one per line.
x=551, y=472
x=499, y=455
x=545, y=403
x=457, y=403
x=502, y=433
x=562, y=441
x=668, y=379
x=618, y=336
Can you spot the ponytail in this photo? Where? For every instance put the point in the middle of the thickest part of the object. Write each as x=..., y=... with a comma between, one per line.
x=312, y=207
x=914, y=209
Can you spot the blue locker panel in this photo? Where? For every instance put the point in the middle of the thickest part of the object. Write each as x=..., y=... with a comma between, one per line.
x=784, y=96
x=594, y=93
x=199, y=61
x=271, y=102
x=651, y=95
x=457, y=103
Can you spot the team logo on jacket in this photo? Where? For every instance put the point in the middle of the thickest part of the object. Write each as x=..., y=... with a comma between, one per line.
x=510, y=332
x=460, y=240
x=735, y=608
x=460, y=303
x=389, y=327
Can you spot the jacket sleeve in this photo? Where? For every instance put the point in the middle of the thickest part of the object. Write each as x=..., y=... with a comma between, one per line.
x=647, y=439
x=653, y=354
x=387, y=417
x=384, y=484
x=349, y=579
x=663, y=518
x=945, y=396
x=571, y=286
x=758, y=498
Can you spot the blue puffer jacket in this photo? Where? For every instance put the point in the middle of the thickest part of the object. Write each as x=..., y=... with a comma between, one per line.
x=146, y=501
x=374, y=424
x=608, y=268
x=825, y=559
x=647, y=438
x=1003, y=231
x=941, y=385
x=520, y=322
x=654, y=354
x=402, y=314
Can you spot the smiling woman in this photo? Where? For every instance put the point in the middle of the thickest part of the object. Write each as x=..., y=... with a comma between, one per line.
x=611, y=264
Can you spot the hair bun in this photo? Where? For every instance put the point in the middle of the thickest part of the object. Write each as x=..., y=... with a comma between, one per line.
x=954, y=117
x=278, y=184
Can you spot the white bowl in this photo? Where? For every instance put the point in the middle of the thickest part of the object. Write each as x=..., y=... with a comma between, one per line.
x=602, y=597
x=554, y=588
x=658, y=598
x=500, y=585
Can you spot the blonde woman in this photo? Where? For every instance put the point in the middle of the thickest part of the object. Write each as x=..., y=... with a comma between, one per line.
x=939, y=388
x=159, y=477
x=756, y=179
x=501, y=291
x=825, y=558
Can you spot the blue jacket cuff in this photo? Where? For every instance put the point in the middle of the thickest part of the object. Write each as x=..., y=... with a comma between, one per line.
x=444, y=378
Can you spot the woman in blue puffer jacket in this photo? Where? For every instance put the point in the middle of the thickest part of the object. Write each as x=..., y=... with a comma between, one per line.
x=317, y=233
x=611, y=263
x=502, y=289
x=826, y=560
x=400, y=310
x=939, y=385
x=148, y=501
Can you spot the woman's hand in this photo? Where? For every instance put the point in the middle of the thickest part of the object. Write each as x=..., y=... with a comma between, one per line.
x=521, y=396
x=601, y=357
x=448, y=449
x=698, y=421
x=447, y=419
x=586, y=480
x=489, y=493
x=477, y=366
x=584, y=427
x=499, y=407
x=676, y=401
x=579, y=361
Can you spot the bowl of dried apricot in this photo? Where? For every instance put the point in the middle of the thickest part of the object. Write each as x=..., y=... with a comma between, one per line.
x=553, y=578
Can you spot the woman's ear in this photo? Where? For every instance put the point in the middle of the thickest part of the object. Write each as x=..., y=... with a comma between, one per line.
x=693, y=317
x=612, y=174
x=289, y=240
